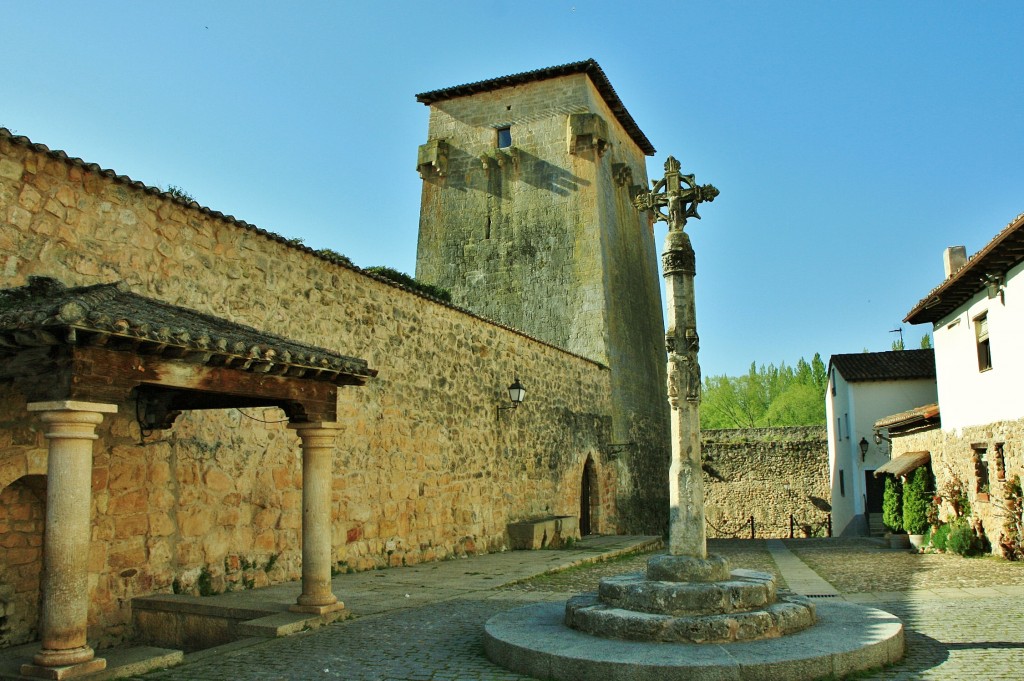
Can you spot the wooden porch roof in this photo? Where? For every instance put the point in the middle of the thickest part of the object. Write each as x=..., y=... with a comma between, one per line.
x=101, y=342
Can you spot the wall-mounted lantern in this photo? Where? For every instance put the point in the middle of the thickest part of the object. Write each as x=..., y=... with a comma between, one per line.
x=879, y=438
x=864, y=448
x=516, y=394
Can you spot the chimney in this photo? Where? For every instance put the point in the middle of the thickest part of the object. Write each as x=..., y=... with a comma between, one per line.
x=953, y=258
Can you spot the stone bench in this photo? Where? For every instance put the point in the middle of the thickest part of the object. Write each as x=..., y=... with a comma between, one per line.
x=550, y=532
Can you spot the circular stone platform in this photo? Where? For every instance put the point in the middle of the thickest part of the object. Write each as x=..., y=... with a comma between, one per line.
x=534, y=640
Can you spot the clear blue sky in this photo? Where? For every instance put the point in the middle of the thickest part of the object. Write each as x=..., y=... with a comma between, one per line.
x=852, y=141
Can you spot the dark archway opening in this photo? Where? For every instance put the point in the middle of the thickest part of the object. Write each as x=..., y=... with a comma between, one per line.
x=588, y=498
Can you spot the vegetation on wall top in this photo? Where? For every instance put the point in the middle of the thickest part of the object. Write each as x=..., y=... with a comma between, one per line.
x=405, y=280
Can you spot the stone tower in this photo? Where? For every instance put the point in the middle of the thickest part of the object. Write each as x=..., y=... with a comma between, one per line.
x=526, y=217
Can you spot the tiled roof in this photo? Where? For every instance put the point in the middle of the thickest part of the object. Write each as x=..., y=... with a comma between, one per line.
x=918, y=416
x=1002, y=253
x=45, y=312
x=589, y=67
x=894, y=365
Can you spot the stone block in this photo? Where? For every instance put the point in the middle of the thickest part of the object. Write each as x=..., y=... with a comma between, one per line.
x=194, y=522
x=131, y=526
x=11, y=169
x=543, y=532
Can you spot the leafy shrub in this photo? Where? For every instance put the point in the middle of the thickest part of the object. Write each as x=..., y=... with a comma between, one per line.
x=405, y=280
x=334, y=256
x=954, y=492
x=962, y=539
x=939, y=537
x=179, y=193
x=917, y=500
x=892, y=504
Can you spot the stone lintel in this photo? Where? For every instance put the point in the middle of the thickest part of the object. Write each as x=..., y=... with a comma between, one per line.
x=73, y=405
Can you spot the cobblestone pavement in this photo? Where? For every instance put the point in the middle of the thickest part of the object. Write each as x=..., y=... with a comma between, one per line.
x=964, y=619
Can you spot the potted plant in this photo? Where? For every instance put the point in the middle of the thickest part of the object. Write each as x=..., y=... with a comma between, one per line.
x=916, y=503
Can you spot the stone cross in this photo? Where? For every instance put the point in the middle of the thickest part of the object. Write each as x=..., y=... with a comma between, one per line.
x=687, y=533
x=669, y=193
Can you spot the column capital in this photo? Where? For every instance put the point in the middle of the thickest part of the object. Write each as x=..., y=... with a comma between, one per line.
x=73, y=405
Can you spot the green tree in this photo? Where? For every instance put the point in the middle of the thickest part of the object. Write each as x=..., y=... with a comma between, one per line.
x=926, y=341
x=917, y=499
x=767, y=395
x=892, y=504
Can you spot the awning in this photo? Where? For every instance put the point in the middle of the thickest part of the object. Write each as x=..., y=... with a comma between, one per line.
x=913, y=420
x=903, y=464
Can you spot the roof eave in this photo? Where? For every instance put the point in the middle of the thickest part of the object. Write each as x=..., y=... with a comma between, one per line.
x=1003, y=252
x=589, y=66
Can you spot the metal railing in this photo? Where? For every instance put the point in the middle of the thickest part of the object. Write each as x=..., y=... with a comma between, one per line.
x=795, y=528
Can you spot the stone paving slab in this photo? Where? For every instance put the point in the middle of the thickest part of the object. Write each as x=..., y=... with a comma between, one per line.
x=951, y=635
x=800, y=578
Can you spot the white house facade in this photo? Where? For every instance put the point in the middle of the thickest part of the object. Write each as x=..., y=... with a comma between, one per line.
x=862, y=388
x=977, y=320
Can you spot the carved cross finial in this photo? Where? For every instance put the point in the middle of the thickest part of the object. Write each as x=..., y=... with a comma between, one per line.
x=678, y=193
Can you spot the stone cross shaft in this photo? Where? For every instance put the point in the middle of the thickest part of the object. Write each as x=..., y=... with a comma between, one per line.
x=687, y=532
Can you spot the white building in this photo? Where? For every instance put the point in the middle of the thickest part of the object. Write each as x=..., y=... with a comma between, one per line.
x=977, y=318
x=862, y=388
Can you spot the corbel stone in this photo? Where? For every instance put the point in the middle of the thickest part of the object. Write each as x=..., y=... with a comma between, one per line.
x=432, y=159
x=498, y=158
x=587, y=131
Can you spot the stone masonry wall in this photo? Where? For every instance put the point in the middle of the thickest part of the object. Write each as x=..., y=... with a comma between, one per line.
x=22, y=517
x=746, y=473
x=953, y=455
x=543, y=237
x=425, y=468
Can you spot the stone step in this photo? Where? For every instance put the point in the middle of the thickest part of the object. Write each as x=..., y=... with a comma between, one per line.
x=276, y=625
x=849, y=638
x=586, y=613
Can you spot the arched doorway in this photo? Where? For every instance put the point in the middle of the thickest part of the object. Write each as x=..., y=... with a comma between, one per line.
x=588, y=498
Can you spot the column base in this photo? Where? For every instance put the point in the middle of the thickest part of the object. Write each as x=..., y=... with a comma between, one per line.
x=318, y=609
x=70, y=671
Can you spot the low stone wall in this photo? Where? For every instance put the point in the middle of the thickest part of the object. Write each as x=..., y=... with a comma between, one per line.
x=953, y=457
x=767, y=473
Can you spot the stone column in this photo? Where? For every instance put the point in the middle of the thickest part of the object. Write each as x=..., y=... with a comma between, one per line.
x=317, y=455
x=70, y=431
x=687, y=533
